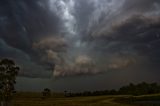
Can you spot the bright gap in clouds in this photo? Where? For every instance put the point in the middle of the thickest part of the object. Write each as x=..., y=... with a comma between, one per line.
x=64, y=10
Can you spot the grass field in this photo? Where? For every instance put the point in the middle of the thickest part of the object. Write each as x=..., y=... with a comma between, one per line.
x=34, y=99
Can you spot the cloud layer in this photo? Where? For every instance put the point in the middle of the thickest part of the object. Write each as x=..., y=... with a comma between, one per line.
x=79, y=37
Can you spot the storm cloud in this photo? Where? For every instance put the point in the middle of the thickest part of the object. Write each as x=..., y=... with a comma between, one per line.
x=80, y=37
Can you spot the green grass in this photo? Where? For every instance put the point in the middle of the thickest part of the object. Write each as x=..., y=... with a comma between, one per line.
x=34, y=99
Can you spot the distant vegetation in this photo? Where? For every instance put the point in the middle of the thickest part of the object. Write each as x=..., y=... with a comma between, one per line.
x=140, y=89
x=46, y=93
x=131, y=89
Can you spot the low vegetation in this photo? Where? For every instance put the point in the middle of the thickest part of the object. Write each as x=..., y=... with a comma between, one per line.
x=131, y=89
x=46, y=93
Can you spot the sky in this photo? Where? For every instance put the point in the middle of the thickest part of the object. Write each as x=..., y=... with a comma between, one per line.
x=81, y=45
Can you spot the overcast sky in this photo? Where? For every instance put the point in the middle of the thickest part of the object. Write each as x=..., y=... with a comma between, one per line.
x=81, y=44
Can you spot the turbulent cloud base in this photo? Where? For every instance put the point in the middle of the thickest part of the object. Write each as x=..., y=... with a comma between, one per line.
x=80, y=37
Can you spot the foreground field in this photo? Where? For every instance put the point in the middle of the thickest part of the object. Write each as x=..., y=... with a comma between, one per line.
x=29, y=99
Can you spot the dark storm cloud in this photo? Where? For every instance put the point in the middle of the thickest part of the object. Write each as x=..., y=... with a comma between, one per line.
x=129, y=33
x=130, y=43
x=138, y=32
x=116, y=11
x=22, y=22
x=79, y=37
x=141, y=5
x=23, y=60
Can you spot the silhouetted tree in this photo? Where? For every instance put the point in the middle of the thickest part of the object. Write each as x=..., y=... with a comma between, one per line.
x=8, y=73
x=46, y=93
x=65, y=93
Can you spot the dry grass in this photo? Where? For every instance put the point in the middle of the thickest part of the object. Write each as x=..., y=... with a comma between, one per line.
x=34, y=99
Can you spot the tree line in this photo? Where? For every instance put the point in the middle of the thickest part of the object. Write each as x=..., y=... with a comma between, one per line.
x=131, y=89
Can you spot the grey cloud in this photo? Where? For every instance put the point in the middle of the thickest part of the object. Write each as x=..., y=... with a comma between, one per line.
x=79, y=37
x=83, y=12
x=51, y=43
x=135, y=30
x=118, y=11
x=140, y=5
x=6, y=50
x=26, y=20
x=23, y=60
x=23, y=22
x=51, y=50
x=136, y=37
x=82, y=65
